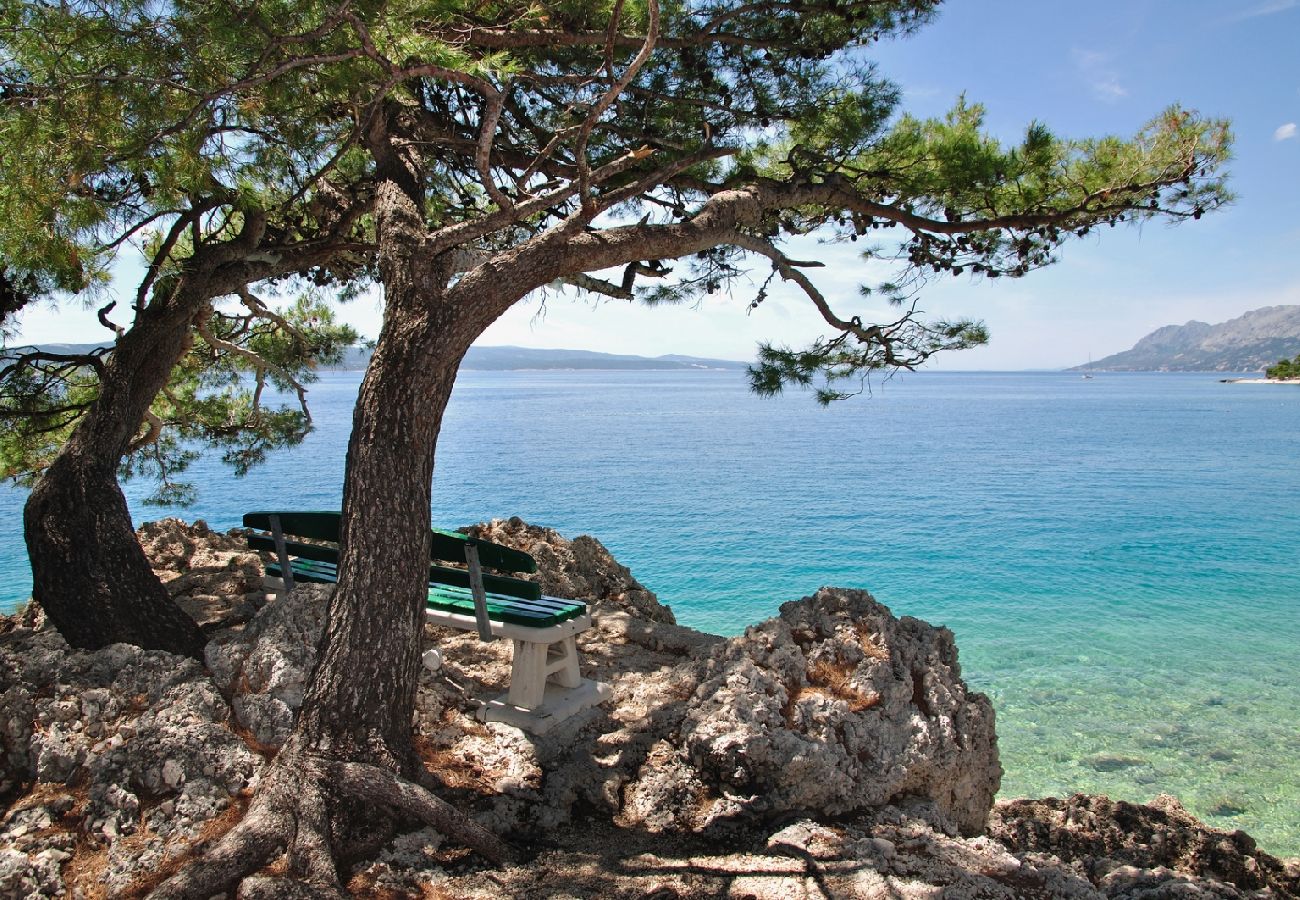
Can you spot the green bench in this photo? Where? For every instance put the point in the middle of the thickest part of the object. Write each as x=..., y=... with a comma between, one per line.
x=543, y=629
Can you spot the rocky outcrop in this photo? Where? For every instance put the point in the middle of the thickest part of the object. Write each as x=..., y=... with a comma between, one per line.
x=1128, y=846
x=834, y=706
x=263, y=667
x=581, y=569
x=121, y=754
x=834, y=747
x=212, y=576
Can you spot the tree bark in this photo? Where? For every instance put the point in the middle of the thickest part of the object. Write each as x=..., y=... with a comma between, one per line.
x=89, y=573
x=352, y=748
x=361, y=695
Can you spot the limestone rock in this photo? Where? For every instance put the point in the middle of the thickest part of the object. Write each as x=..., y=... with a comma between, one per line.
x=125, y=752
x=36, y=876
x=835, y=706
x=264, y=667
x=835, y=747
x=1124, y=847
x=212, y=576
x=581, y=569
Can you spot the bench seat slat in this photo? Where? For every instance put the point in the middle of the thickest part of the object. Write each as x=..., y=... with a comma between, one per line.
x=544, y=606
x=540, y=613
x=502, y=609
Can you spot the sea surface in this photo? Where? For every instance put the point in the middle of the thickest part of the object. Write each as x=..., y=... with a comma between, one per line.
x=1118, y=557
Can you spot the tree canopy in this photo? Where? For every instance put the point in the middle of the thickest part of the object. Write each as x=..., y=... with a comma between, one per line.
x=466, y=155
x=1285, y=368
x=121, y=139
x=519, y=123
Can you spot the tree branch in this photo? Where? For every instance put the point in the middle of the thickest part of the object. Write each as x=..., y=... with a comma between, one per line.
x=601, y=105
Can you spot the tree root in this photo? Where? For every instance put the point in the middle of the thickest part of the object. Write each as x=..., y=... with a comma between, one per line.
x=364, y=782
x=292, y=814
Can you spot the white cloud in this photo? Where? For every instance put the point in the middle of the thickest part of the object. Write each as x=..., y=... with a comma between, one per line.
x=1265, y=9
x=1285, y=132
x=1103, y=80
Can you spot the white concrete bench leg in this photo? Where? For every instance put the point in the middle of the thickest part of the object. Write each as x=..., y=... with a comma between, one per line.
x=563, y=667
x=534, y=663
x=528, y=674
x=541, y=655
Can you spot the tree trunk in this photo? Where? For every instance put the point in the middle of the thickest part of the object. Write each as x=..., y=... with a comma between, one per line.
x=361, y=696
x=351, y=755
x=89, y=573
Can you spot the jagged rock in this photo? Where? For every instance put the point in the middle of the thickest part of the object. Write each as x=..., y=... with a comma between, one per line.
x=581, y=569
x=834, y=706
x=212, y=576
x=119, y=726
x=1125, y=846
x=264, y=667
x=835, y=747
x=35, y=876
x=408, y=866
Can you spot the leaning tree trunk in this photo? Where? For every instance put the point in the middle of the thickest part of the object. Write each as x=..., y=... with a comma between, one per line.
x=351, y=757
x=89, y=573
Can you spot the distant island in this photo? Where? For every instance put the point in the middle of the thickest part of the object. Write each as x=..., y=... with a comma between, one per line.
x=1249, y=343
x=505, y=359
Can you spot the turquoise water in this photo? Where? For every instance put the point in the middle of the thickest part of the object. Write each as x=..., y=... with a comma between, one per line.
x=1118, y=557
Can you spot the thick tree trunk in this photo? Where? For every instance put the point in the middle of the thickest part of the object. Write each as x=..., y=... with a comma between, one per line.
x=88, y=571
x=351, y=754
x=361, y=695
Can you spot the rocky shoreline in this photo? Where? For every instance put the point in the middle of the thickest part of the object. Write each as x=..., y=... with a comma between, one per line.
x=833, y=750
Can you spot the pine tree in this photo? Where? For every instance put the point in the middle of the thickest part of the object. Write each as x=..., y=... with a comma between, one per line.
x=633, y=150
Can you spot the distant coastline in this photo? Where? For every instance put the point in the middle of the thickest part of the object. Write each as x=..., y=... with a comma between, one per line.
x=508, y=359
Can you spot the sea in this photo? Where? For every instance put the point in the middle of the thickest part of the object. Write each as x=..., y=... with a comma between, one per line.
x=1118, y=557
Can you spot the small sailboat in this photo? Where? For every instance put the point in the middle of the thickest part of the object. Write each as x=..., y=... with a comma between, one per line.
x=1086, y=374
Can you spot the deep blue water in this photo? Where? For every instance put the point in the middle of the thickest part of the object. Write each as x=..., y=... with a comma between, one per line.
x=1117, y=556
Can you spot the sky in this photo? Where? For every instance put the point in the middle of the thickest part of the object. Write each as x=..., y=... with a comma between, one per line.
x=1082, y=68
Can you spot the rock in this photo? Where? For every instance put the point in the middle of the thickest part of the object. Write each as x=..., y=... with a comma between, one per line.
x=210, y=575
x=581, y=569
x=834, y=706
x=34, y=877
x=114, y=726
x=1120, y=845
x=265, y=666
x=835, y=748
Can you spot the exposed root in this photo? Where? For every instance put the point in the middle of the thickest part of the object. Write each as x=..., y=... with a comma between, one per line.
x=292, y=813
x=243, y=850
x=372, y=783
x=310, y=855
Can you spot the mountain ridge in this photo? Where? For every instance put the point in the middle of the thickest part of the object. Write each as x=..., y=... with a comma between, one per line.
x=1249, y=343
x=505, y=358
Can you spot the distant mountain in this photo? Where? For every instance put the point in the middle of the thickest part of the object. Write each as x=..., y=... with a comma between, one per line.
x=505, y=359
x=1248, y=343
x=67, y=349
x=500, y=359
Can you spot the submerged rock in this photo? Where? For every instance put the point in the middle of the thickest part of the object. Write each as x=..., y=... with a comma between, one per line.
x=1125, y=846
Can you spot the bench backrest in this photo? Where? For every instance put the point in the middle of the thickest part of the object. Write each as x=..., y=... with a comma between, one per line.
x=448, y=546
